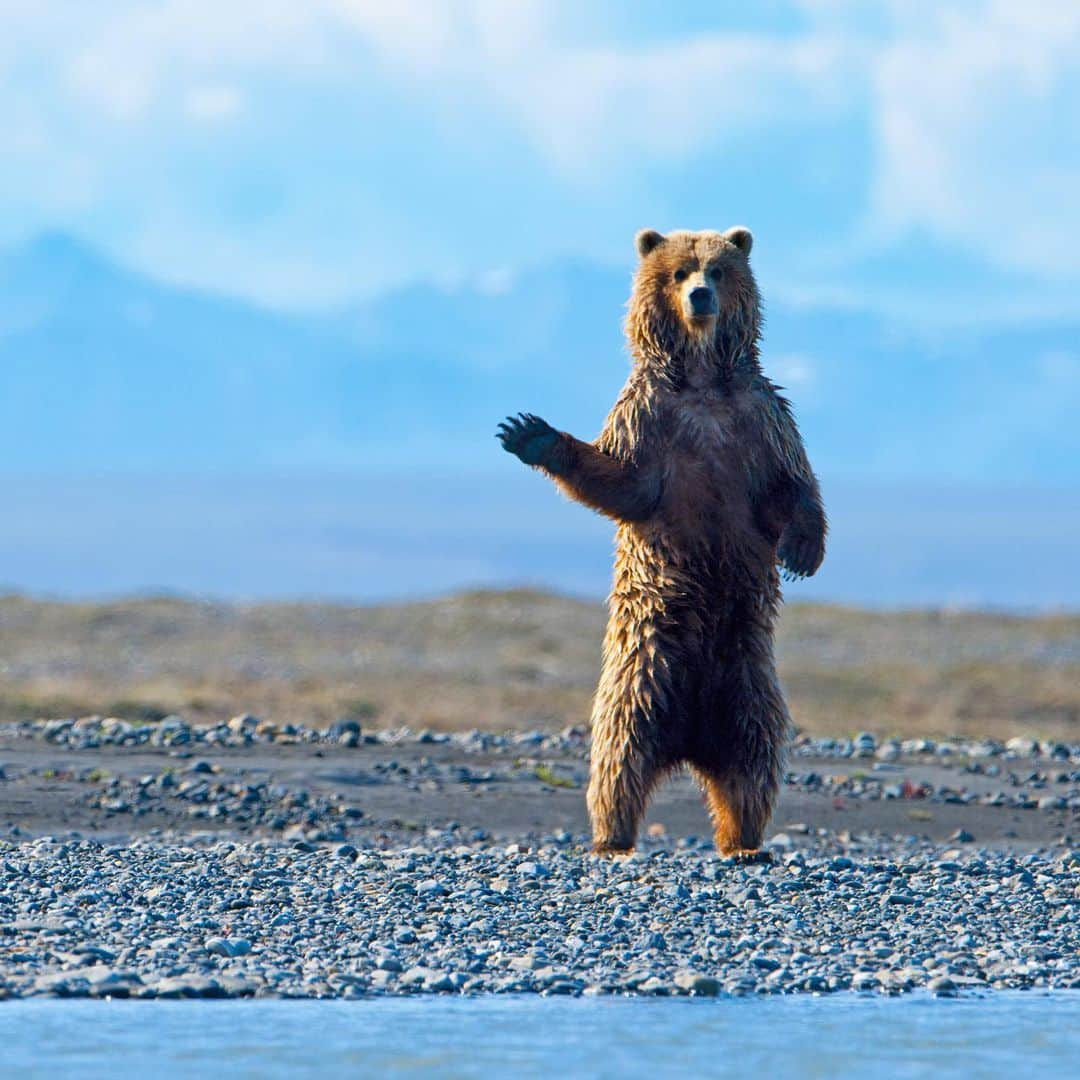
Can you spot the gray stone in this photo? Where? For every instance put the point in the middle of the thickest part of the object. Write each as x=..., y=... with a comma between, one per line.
x=1022, y=746
x=228, y=946
x=700, y=985
x=191, y=985
x=942, y=986
x=532, y=870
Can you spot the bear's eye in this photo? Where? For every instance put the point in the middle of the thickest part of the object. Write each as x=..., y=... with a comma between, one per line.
x=681, y=275
x=716, y=272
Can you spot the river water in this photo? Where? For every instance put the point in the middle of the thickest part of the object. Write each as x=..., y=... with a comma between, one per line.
x=1001, y=1034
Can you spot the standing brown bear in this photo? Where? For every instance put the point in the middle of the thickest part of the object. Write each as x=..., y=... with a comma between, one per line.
x=702, y=466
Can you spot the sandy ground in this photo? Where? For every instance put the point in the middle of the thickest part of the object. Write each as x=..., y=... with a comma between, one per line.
x=515, y=660
x=404, y=790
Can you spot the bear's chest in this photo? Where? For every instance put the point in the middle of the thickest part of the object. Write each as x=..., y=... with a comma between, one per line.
x=710, y=462
x=709, y=426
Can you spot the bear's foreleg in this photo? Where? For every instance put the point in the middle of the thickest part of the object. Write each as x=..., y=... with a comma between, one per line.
x=801, y=549
x=623, y=490
x=619, y=489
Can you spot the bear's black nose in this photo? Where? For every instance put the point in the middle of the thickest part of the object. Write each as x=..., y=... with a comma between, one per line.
x=702, y=301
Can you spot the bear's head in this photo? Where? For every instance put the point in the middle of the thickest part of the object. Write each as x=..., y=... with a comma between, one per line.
x=694, y=292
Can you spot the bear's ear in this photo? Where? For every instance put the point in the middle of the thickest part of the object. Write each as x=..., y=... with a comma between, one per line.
x=741, y=237
x=647, y=240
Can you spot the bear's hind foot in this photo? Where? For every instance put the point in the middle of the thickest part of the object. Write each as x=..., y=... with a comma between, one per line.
x=609, y=851
x=748, y=856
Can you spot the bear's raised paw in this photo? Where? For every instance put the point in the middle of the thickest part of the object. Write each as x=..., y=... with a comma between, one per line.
x=528, y=437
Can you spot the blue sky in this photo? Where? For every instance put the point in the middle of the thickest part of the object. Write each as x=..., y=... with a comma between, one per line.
x=910, y=171
x=920, y=159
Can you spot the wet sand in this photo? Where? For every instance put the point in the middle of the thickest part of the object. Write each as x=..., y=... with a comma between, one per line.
x=378, y=793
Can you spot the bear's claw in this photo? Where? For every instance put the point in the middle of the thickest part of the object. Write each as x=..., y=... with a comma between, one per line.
x=800, y=556
x=527, y=437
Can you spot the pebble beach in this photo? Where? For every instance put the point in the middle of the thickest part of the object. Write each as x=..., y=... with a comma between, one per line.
x=223, y=919
x=178, y=861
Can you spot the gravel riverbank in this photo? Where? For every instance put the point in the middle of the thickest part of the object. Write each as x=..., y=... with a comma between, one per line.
x=207, y=918
x=178, y=860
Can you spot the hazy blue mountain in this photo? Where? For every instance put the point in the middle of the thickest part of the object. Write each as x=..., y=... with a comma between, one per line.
x=105, y=368
x=252, y=452
x=419, y=532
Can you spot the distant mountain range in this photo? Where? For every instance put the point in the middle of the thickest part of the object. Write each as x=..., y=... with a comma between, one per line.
x=104, y=368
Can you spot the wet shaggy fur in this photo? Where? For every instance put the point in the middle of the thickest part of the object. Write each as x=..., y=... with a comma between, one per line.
x=702, y=467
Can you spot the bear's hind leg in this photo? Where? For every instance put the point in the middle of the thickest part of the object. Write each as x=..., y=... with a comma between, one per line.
x=740, y=763
x=620, y=783
x=740, y=807
x=636, y=736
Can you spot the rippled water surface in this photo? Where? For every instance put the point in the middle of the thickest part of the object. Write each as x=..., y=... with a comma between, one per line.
x=997, y=1035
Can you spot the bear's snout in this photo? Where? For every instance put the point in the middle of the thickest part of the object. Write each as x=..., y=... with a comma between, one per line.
x=701, y=302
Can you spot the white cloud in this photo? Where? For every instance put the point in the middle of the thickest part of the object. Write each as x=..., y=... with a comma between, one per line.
x=597, y=111
x=969, y=108
x=133, y=55
x=497, y=282
x=213, y=103
x=976, y=131
x=417, y=37
x=795, y=370
x=589, y=108
x=1060, y=366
